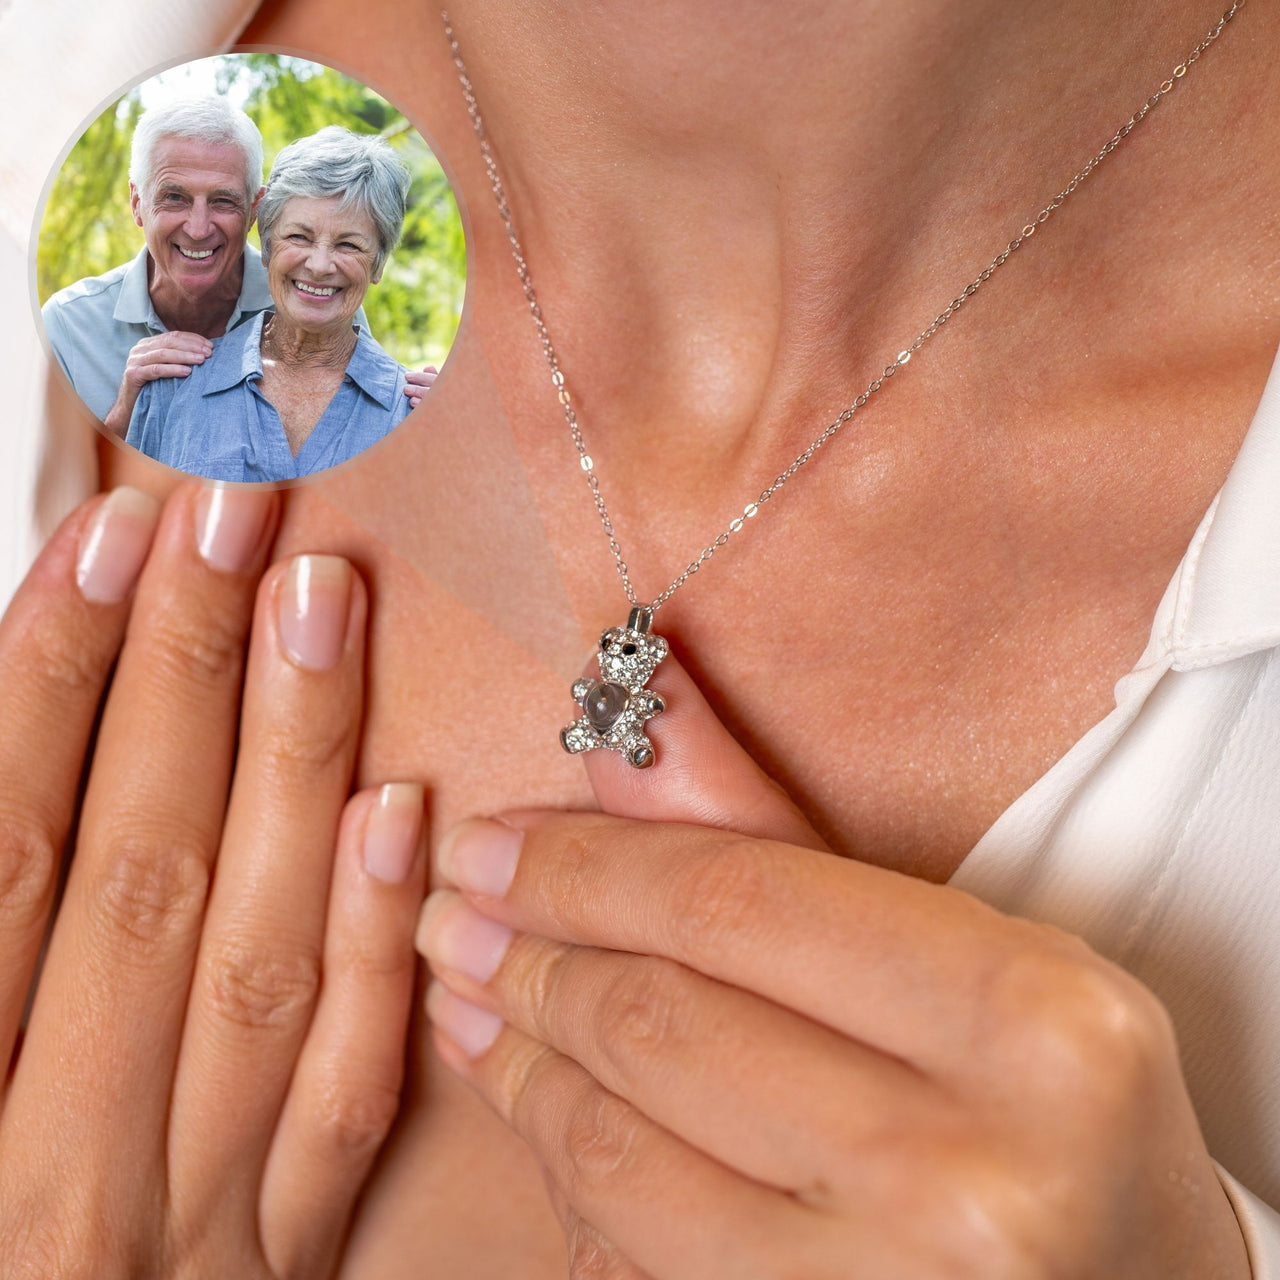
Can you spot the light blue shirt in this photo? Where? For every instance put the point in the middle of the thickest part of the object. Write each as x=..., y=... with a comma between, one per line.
x=217, y=423
x=94, y=323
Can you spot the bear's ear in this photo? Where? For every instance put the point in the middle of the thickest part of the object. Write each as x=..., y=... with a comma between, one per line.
x=605, y=637
x=660, y=650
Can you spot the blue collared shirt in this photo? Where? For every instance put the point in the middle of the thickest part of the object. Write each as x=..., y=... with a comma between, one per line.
x=94, y=323
x=217, y=423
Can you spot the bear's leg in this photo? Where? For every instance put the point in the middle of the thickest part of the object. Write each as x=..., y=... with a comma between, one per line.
x=579, y=736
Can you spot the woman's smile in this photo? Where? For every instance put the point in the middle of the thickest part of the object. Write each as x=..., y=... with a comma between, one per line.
x=322, y=262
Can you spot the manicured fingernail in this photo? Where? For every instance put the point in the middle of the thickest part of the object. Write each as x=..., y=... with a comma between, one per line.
x=229, y=525
x=480, y=855
x=471, y=1028
x=114, y=545
x=392, y=831
x=453, y=935
x=314, y=605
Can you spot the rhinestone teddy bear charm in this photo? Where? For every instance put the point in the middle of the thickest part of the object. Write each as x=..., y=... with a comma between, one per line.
x=617, y=705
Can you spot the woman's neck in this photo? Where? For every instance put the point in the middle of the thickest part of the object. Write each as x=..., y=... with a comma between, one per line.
x=288, y=347
x=731, y=211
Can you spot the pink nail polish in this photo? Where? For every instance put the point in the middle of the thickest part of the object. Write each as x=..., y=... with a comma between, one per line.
x=229, y=526
x=480, y=855
x=114, y=545
x=471, y=1028
x=315, y=601
x=392, y=831
x=456, y=936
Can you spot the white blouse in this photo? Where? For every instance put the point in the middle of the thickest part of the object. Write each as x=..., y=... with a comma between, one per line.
x=1157, y=836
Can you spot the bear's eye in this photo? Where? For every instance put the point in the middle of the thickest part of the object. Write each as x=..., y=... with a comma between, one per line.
x=605, y=638
x=628, y=649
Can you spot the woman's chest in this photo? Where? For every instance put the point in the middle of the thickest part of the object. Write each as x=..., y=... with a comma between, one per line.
x=299, y=399
x=903, y=711
x=905, y=676
x=904, y=701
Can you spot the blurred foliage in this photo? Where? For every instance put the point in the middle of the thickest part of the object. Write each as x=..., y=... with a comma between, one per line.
x=88, y=228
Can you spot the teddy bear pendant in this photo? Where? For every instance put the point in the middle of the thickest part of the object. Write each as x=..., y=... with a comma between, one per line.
x=617, y=705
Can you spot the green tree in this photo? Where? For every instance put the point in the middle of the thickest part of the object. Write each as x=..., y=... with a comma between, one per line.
x=88, y=227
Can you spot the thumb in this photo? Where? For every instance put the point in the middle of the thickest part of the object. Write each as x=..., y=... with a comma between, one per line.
x=702, y=775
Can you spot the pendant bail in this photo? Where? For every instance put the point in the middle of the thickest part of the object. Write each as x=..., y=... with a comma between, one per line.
x=640, y=619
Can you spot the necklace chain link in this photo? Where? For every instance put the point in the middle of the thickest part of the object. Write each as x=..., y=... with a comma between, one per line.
x=874, y=386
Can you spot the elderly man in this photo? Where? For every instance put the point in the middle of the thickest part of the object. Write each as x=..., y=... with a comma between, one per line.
x=195, y=178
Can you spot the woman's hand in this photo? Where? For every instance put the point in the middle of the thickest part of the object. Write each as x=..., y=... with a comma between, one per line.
x=215, y=1046
x=738, y=1055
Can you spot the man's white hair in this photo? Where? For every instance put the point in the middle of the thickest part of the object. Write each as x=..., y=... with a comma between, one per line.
x=213, y=120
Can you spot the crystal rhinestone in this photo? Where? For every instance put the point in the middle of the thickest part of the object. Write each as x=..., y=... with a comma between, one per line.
x=604, y=704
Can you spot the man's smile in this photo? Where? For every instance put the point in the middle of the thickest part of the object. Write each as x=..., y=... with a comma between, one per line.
x=195, y=255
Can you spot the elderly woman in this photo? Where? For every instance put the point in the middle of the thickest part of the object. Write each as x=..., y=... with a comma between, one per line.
x=304, y=386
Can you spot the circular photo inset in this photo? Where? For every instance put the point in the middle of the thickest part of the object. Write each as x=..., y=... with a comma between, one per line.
x=250, y=267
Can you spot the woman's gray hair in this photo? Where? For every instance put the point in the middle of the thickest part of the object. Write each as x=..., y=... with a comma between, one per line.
x=360, y=167
x=212, y=120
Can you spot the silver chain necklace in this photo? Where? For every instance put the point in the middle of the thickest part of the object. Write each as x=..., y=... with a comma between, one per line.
x=616, y=707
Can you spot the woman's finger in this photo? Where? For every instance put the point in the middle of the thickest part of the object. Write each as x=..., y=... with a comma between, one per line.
x=57, y=643
x=773, y=918
x=703, y=774
x=772, y=1094
x=346, y=1088
x=591, y=1256
x=666, y=1207
x=108, y=1013
x=258, y=973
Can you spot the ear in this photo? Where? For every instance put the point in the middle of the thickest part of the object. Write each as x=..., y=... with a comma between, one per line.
x=253, y=208
x=135, y=203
